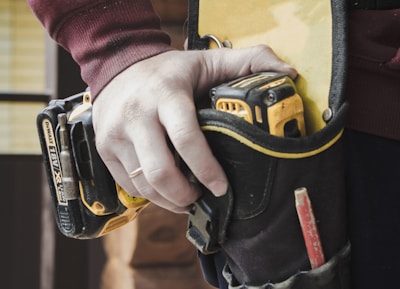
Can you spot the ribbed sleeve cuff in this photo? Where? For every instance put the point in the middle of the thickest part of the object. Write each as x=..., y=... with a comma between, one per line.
x=106, y=39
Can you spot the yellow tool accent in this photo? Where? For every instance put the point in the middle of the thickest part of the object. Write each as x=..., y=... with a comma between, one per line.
x=96, y=208
x=280, y=112
x=134, y=206
x=235, y=106
x=129, y=201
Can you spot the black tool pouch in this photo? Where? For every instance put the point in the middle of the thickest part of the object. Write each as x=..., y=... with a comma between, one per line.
x=263, y=238
x=256, y=224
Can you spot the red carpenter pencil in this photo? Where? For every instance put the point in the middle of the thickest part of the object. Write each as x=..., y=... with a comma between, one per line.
x=309, y=228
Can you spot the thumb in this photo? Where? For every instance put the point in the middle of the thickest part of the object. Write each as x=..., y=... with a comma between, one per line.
x=223, y=64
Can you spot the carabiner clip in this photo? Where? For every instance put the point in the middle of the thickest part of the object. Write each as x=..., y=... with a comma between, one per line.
x=224, y=44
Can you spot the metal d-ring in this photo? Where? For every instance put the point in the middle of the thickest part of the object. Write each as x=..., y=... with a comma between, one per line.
x=224, y=44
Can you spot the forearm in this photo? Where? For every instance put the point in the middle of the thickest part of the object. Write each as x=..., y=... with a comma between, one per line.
x=104, y=37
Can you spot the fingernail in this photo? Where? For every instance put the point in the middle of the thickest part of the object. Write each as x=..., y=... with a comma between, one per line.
x=218, y=188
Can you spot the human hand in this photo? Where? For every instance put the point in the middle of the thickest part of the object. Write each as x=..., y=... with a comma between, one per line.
x=155, y=99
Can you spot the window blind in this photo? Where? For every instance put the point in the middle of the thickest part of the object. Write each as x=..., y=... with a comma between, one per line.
x=22, y=70
x=22, y=49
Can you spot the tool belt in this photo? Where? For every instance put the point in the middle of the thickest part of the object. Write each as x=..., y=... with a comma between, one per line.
x=255, y=224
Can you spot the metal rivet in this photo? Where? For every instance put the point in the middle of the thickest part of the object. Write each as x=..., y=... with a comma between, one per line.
x=227, y=44
x=327, y=114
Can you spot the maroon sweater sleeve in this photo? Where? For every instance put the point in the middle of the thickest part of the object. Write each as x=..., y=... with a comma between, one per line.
x=104, y=37
x=373, y=82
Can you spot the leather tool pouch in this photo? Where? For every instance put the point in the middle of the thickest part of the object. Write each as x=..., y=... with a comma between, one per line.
x=256, y=224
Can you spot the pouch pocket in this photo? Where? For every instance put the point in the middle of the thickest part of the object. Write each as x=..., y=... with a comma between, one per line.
x=264, y=239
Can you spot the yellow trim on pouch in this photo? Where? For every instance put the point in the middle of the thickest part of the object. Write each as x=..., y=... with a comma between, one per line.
x=266, y=151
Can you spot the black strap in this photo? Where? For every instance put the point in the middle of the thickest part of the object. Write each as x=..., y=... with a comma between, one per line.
x=195, y=42
x=373, y=4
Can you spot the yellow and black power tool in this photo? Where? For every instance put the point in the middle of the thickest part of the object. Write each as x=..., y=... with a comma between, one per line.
x=268, y=100
x=88, y=203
